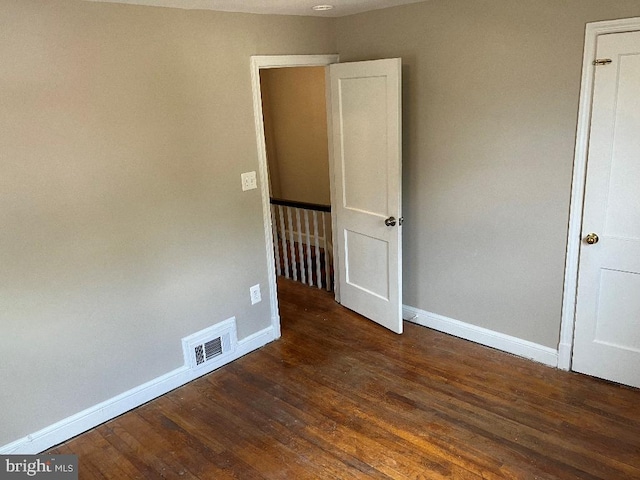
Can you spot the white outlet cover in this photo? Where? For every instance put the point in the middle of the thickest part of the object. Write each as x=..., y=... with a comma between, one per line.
x=255, y=294
x=249, y=181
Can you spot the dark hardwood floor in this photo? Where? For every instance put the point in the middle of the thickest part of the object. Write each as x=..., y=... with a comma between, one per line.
x=339, y=397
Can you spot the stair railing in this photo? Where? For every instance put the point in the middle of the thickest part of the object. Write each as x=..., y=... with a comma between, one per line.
x=302, y=242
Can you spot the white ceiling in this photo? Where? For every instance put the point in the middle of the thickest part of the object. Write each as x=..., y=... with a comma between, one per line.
x=278, y=7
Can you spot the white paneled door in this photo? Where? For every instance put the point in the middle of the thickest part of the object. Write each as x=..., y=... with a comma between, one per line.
x=607, y=328
x=365, y=134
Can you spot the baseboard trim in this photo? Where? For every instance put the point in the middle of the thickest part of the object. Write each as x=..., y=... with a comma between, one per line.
x=483, y=336
x=91, y=417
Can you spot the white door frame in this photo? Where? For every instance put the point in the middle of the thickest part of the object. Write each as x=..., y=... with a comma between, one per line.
x=274, y=61
x=593, y=30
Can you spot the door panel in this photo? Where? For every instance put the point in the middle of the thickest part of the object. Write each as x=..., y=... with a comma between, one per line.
x=365, y=148
x=619, y=297
x=367, y=264
x=607, y=331
x=622, y=219
x=364, y=145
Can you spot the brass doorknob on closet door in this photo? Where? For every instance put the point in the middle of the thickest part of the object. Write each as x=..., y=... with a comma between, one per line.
x=390, y=222
x=591, y=239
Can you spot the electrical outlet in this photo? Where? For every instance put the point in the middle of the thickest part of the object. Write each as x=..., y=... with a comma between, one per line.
x=249, y=181
x=255, y=294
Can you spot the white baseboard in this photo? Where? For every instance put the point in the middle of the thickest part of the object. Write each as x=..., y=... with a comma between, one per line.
x=483, y=336
x=82, y=421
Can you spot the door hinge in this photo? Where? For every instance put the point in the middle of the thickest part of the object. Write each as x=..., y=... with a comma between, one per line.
x=602, y=61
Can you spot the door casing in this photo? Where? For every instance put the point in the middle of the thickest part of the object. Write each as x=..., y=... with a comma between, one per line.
x=259, y=62
x=567, y=324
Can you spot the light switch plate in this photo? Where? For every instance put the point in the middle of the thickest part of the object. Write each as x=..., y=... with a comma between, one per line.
x=249, y=181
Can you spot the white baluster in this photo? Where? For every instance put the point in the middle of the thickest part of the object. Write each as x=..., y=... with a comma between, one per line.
x=308, y=245
x=292, y=245
x=327, y=254
x=276, y=243
x=283, y=236
x=316, y=237
x=303, y=276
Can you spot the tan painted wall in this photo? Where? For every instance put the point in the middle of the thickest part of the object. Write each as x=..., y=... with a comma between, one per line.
x=491, y=93
x=124, y=228
x=296, y=133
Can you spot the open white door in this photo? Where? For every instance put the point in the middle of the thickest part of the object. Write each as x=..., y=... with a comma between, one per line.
x=365, y=152
x=607, y=329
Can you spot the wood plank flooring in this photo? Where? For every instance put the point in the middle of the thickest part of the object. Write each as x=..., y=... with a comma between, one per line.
x=339, y=397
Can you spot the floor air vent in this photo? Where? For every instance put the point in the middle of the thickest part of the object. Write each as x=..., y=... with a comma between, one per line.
x=209, y=347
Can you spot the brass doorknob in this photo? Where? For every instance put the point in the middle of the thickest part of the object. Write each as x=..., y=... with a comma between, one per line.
x=592, y=239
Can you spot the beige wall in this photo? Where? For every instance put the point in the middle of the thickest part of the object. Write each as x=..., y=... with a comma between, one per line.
x=124, y=228
x=490, y=105
x=295, y=117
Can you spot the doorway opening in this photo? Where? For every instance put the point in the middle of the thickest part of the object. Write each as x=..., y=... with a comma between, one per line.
x=295, y=132
x=260, y=64
x=365, y=158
